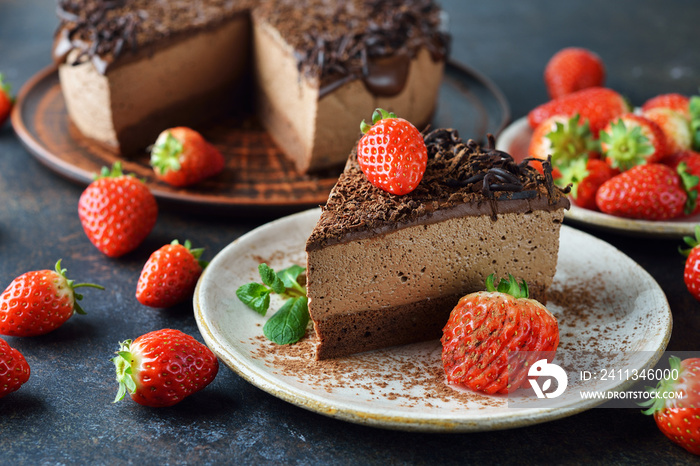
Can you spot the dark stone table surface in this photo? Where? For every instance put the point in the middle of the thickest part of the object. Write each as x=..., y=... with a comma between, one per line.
x=64, y=414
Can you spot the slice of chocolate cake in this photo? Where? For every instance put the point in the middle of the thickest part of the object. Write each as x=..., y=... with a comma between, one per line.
x=386, y=270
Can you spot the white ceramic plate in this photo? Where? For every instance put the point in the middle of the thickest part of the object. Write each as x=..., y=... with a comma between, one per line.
x=403, y=387
x=515, y=140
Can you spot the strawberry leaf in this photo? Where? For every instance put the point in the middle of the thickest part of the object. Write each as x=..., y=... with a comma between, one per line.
x=165, y=154
x=658, y=401
x=6, y=88
x=288, y=325
x=695, y=121
x=509, y=286
x=125, y=376
x=627, y=146
x=572, y=173
x=571, y=140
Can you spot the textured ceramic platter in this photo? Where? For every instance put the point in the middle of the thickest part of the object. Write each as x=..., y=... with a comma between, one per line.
x=403, y=388
x=515, y=140
x=257, y=174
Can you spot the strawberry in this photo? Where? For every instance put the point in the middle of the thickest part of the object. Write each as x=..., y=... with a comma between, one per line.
x=563, y=138
x=14, y=370
x=650, y=191
x=182, y=157
x=38, y=302
x=598, y=105
x=163, y=367
x=691, y=272
x=674, y=126
x=678, y=418
x=170, y=275
x=585, y=176
x=392, y=153
x=6, y=100
x=632, y=140
x=117, y=212
x=687, y=164
x=676, y=102
x=572, y=69
x=488, y=330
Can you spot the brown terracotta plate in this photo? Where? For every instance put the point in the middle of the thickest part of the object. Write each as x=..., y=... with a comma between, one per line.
x=257, y=174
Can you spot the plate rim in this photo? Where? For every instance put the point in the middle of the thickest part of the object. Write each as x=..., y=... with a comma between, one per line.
x=600, y=220
x=311, y=402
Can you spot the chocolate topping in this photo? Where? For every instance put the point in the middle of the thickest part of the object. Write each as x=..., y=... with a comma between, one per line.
x=334, y=40
x=103, y=30
x=461, y=178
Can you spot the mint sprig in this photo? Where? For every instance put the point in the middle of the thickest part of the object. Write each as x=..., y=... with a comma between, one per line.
x=288, y=324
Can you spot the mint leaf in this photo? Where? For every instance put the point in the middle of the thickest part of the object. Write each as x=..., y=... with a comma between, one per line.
x=255, y=296
x=289, y=277
x=270, y=278
x=288, y=325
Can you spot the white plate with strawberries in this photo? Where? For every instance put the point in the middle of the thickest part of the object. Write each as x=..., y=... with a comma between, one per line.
x=604, y=303
x=515, y=140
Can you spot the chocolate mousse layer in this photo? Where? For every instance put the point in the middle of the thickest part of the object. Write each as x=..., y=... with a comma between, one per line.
x=385, y=270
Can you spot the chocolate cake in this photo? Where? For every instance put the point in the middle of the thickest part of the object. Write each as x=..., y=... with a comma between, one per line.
x=131, y=68
x=386, y=270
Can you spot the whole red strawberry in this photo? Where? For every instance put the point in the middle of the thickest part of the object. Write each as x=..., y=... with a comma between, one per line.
x=117, y=212
x=182, y=157
x=488, y=330
x=38, y=302
x=392, y=153
x=674, y=101
x=170, y=275
x=631, y=140
x=691, y=271
x=586, y=176
x=651, y=191
x=676, y=128
x=598, y=105
x=6, y=100
x=163, y=367
x=679, y=418
x=572, y=69
x=14, y=370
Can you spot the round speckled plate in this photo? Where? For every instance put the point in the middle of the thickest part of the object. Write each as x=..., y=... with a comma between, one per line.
x=615, y=308
x=515, y=140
